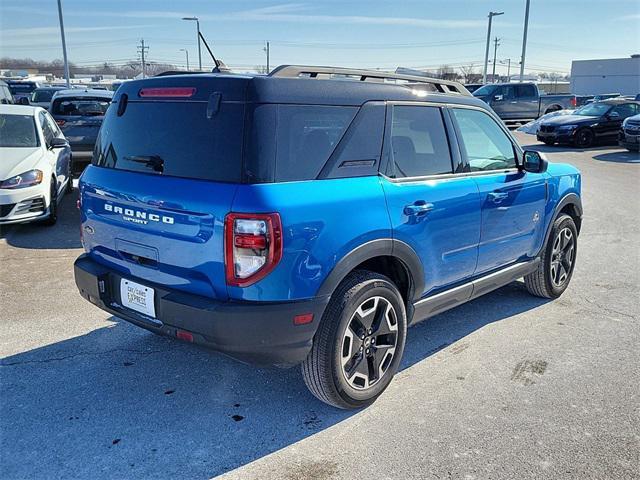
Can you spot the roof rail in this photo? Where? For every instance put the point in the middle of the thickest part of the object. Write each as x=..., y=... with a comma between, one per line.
x=301, y=71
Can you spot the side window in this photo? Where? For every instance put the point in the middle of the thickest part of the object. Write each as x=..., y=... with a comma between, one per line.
x=508, y=92
x=419, y=144
x=525, y=91
x=486, y=145
x=306, y=136
x=46, y=128
x=53, y=125
x=626, y=110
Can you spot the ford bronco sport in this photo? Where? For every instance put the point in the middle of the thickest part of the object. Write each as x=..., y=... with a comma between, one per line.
x=310, y=216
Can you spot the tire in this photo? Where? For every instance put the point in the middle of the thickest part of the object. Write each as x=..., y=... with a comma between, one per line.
x=69, y=188
x=583, y=138
x=53, y=206
x=549, y=142
x=555, y=270
x=338, y=345
x=553, y=108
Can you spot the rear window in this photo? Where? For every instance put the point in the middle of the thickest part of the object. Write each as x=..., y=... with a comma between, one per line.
x=42, y=95
x=24, y=87
x=82, y=106
x=175, y=139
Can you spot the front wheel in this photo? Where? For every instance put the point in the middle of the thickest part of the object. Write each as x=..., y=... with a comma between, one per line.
x=584, y=138
x=359, y=343
x=554, y=272
x=53, y=205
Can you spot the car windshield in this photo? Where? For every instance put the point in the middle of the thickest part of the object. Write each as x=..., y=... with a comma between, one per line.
x=486, y=90
x=593, y=110
x=17, y=131
x=81, y=106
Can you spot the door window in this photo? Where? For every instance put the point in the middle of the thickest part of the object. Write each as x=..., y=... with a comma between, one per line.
x=419, y=143
x=486, y=145
x=525, y=91
x=625, y=110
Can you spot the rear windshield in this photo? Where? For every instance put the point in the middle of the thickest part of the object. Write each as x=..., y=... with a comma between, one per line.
x=173, y=138
x=82, y=106
x=42, y=95
x=24, y=87
x=17, y=131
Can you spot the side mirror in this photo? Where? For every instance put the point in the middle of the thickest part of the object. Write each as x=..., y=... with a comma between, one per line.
x=23, y=101
x=498, y=98
x=534, y=162
x=614, y=115
x=58, y=142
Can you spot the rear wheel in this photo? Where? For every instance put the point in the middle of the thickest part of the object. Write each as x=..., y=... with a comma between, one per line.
x=554, y=272
x=359, y=343
x=584, y=138
x=69, y=188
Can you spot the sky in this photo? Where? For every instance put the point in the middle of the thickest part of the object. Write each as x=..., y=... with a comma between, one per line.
x=355, y=33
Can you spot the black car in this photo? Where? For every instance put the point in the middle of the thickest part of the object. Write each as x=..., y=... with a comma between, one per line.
x=597, y=122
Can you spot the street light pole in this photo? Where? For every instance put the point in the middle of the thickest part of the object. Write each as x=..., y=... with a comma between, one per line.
x=187, y=52
x=486, y=53
x=195, y=19
x=524, y=40
x=64, y=46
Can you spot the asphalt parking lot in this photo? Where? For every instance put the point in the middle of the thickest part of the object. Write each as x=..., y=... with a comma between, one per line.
x=508, y=386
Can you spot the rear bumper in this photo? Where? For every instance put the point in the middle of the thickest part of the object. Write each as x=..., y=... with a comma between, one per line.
x=258, y=333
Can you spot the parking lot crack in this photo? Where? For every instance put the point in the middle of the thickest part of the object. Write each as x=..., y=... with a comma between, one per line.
x=80, y=354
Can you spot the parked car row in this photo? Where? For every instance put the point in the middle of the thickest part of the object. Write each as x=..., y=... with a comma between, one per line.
x=596, y=122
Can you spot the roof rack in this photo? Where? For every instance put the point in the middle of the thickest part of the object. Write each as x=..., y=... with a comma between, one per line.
x=301, y=71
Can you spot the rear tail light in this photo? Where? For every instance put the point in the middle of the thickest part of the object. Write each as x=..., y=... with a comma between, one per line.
x=573, y=101
x=60, y=122
x=253, y=246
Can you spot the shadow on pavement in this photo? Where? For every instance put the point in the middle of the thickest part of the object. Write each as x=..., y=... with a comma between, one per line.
x=64, y=234
x=120, y=402
x=623, y=156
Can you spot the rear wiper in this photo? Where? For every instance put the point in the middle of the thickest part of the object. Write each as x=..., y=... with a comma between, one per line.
x=153, y=161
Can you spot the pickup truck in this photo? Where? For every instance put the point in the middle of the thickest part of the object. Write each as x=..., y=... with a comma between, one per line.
x=523, y=101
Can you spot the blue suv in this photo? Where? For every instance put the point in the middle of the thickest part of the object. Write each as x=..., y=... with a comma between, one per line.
x=310, y=216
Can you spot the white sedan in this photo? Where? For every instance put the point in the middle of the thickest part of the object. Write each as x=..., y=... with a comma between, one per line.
x=35, y=161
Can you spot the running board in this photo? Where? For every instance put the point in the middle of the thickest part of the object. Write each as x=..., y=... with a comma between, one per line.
x=448, y=299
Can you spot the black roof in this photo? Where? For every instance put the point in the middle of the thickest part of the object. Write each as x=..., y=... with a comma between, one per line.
x=301, y=90
x=617, y=100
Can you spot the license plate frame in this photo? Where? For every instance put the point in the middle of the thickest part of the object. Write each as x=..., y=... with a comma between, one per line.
x=137, y=297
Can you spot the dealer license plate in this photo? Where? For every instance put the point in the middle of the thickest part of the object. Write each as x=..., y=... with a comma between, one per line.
x=137, y=297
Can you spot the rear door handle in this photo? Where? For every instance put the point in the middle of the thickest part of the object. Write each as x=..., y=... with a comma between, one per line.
x=497, y=197
x=418, y=208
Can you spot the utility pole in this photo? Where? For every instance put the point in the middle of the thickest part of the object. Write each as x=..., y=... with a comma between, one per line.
x=187, y=52
x=266, y=50
x=486, y=53
x=496, y=42
x=142, y=50
x=524, y=40
x=64, y=46
x=509, y=69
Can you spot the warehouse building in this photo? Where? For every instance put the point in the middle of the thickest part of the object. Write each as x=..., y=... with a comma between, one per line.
x=612, y=75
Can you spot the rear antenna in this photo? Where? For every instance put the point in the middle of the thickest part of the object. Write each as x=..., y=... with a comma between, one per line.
x=215, y=60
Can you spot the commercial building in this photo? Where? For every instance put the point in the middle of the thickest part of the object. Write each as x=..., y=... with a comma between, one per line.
x=611, y=75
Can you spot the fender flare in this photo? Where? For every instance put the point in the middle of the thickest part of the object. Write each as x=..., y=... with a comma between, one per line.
x=569, y=199
x=383, y=247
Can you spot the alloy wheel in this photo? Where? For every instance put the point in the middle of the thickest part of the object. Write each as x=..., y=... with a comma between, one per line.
x=562, y=256
x=369, y=343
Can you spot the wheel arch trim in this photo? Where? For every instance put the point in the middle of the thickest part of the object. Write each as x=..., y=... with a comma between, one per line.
x=382, y=247
x=569, y=199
